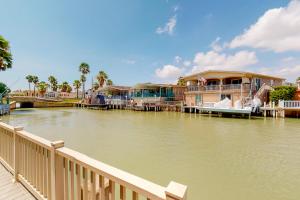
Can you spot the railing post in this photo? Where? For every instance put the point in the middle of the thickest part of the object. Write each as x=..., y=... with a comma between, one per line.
x=54, y=186
x=176, y=191
x=16, y=153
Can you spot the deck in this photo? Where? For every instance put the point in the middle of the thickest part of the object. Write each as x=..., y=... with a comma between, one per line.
x=10, y=190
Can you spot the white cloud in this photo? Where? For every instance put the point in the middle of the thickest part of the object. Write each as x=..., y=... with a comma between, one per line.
x=288, y=59
x=169, y=72
x=215, y=45
x=129, y=61
x=178, y=59
x=290, y=73
x=175, y=8
x=169, y=26
x=212, y=60
x=187, y=63
x=277, y=30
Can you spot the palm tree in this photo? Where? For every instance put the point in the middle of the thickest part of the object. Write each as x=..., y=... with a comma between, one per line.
x=64, y=87
x=109, y=82
x=102, y=77
x=53, y=83
x=83, y=80
x=29, y=79
x=181, y=81
x=5, y=55
x=84, y=68
x=69, y=89
x=42, y=87
x=35, y=81
x=95, y=86
x=77, y=85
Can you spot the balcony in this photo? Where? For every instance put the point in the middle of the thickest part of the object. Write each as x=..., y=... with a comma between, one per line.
x=195, y=88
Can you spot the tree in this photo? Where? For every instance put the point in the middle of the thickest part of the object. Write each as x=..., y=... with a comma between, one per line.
x=53, y=83
x=5, y=55
x=102, y=77
x=83, y=80
x=84, y=68
x=283, y=93
x=35, y=81
x=4, y=90
x=95, y=86
x=42, y=87
x=69, y=89
x=298, y=79
x=77, y=85
x=109, y=82
x=181, y=81
x=64, y=86
x=29, y=79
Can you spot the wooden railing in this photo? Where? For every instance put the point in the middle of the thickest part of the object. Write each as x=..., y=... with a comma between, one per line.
x=54, y=172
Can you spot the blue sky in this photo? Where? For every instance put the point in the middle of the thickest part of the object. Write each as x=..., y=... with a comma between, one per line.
x=149, y=41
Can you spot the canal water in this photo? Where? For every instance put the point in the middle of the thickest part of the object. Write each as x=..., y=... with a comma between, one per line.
x=218, y=158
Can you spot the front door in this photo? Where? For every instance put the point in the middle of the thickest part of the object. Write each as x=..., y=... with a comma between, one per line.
x=198, y=99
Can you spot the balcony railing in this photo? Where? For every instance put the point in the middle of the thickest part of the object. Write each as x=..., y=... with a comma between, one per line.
x=194, y=88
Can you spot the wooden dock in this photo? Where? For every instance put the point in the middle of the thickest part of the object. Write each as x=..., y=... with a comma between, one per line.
x=10, y=190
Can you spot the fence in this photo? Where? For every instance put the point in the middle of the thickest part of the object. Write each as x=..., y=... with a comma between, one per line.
x=54, y=172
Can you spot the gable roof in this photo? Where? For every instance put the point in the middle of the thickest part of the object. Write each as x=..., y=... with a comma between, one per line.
x=227, y=74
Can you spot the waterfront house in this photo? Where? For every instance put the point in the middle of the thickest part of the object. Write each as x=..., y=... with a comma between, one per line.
x=157, y=94
x=115, y=95
x=209, y=87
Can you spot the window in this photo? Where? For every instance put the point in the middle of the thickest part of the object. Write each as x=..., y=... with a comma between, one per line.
x=236, y=81
x=223, y=96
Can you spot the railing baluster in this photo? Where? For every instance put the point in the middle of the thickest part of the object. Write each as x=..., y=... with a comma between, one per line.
x=93, y=185
x=45, y=172
x=72, y=185
x=112, y=191
x=135, y=196
x=85, y=183
x=102, y=187
x=66, y=179
x=122, y=192
x=49, y=175
x=78, y=182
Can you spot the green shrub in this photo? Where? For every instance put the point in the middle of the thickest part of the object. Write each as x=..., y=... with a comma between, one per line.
x=283, y=93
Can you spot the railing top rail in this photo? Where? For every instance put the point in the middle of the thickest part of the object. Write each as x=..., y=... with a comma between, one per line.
x=34, y=138
x=132, y=182
x=292, y=101
x=6, y=126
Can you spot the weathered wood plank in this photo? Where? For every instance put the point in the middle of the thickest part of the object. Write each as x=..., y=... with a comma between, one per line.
x=10, y=190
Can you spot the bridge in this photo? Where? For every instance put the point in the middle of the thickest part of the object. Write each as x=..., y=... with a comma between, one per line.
x=51, y=171
x=38, y=102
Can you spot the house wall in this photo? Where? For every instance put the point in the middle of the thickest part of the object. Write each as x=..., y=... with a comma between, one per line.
x=297, y=95
x=268, y=81
x=179, y=93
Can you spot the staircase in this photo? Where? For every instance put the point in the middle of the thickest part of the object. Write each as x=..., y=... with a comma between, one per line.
x=262, y=90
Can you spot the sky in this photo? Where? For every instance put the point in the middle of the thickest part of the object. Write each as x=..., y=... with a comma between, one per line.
x=136, y=41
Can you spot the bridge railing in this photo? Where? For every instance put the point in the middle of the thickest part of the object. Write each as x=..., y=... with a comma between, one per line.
x=54, y=172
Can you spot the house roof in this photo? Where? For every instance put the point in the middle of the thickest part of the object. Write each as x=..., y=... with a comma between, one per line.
x=227, y=74
x=153, y=85
x=114, y=87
